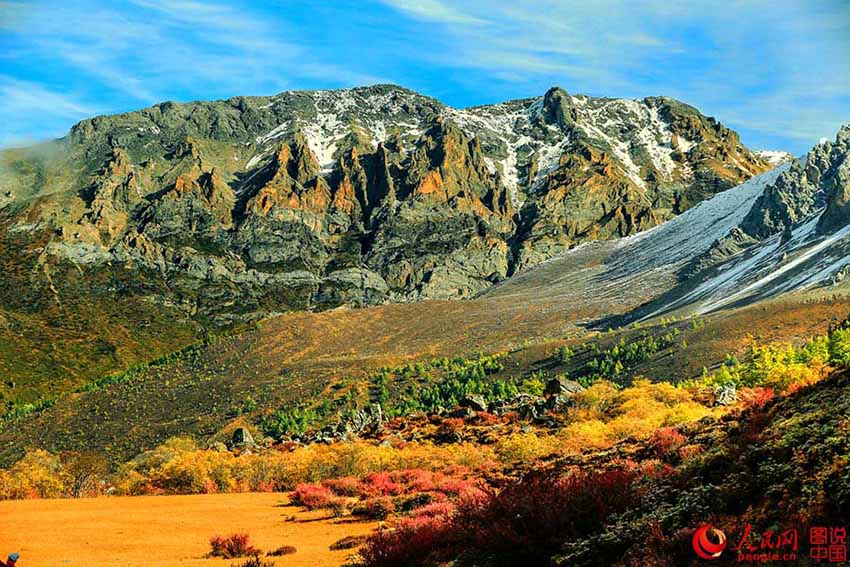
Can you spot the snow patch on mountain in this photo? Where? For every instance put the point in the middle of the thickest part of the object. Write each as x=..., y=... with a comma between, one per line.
x=774, y=157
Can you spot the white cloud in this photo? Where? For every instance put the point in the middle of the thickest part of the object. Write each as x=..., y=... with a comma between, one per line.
x=780, y=70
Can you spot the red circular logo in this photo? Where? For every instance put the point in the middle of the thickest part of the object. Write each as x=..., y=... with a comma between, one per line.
x=703, y=544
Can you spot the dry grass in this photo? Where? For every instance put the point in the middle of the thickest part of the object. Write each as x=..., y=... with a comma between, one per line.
x=166, y=531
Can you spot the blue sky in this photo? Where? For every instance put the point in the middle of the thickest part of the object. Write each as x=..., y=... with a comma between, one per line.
x=777, y=71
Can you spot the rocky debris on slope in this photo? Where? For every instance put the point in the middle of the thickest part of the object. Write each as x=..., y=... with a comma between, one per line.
x=314, y=199
x=370, y=422
x=726, y=395
x=364, y=422
x=475, y=402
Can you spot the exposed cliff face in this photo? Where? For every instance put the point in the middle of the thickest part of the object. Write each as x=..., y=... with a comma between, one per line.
x=316, y=199
x=833, y=167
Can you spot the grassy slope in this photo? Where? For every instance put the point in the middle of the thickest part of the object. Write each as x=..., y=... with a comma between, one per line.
x=299, y=357
x=60, y=329
x=164, y=531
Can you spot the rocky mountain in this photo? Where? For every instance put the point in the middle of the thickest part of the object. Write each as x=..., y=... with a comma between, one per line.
x=784, y=230
x=314, y=199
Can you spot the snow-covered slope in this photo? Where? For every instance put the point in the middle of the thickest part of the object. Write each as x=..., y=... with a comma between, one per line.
x=775, y=157
x=693, y=232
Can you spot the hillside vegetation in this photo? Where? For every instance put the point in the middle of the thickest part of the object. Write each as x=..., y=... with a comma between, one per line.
x=307, y=360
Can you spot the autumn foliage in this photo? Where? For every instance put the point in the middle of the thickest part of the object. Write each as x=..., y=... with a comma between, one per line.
x=524, y=523
x=232, y=546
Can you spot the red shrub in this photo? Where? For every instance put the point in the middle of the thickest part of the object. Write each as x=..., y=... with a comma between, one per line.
x=756, y=397
x=486, y=418
x=234, y=545
x=690, y=451
x=434, y=510
x=451, y=426
x=524, y=524
x=755, y=401
x=312, y=496
x=380, y=483
x=414, y=480
x=345, y=486
x=455, y=486
x=413, y=541
x=667, y=440
x=527, y=522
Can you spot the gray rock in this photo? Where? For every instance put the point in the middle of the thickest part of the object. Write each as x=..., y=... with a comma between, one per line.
x=726, y=395
x=559, y=404
x=369, y=419
x=475, y=402
x=462, y=412
x=242, y=439
x=218, y=447
x=562, y=386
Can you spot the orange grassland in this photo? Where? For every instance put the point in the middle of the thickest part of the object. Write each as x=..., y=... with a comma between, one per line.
x=144, y=531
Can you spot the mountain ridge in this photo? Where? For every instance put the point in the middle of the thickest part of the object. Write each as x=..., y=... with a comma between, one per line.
x=314, y=199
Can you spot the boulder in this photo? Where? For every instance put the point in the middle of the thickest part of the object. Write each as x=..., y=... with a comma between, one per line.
x=369, y=419
x=562, y=386
x=242, y=439
x=725, y=395
x=475, y=402
x=218, y=447
x=558, y=403
x=462, y=412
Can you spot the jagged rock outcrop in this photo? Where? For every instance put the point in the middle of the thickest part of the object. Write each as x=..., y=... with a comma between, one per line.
x=818, y=183
x=835, y=180
x=314, y=199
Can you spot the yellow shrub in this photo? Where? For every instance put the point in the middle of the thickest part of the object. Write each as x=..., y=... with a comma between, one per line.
x=37, y=475
x=640, y=427
x=644, y=408
x=589, y=434
x=525, y=447
x=598, y=399
x=685, y=412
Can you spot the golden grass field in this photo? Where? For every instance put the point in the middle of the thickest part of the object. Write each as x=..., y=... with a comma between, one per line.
x=145, y=531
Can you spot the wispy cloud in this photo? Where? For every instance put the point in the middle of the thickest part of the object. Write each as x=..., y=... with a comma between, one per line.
x=146, y=51
x=435, y=10
x=25, y=98
x=10, y=12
